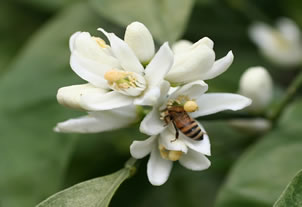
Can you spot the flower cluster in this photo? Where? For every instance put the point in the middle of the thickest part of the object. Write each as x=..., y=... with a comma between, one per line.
x=127, y=74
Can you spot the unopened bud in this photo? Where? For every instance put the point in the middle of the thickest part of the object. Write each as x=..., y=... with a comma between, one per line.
x=140, y=40
x=256, y=83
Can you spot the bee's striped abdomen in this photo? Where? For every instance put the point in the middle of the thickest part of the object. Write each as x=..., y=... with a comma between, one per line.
x=192, y=130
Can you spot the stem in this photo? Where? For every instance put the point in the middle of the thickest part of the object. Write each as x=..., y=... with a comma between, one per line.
x=275, y=113
x=132, y=164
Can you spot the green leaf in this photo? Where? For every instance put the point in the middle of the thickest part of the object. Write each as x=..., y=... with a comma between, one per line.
x=96, y=192
x=166, y=19
x=292, y=195
x=33, y=158
x=262, y=172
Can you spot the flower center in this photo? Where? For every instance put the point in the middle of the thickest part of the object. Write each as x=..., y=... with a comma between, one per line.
x=169, y=154
x=100, y=42
x=280, y=40
x=128, y=83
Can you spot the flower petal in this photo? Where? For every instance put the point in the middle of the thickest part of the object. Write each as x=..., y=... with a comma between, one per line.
x=220, y=66
x=167, y=139
x=289, y=29
x=140, y=149
x=151, y=124
x=202, y=146
x=124, y=53
x=211, y=103
x=154, y=74
x=89, y=70
x=105, y=101
x=195, y=161
x=181, y=46
x=158, y=169
x=71, y=96
x=191, y=64
x=159, y=66
x=193, y=90
x=99, y=121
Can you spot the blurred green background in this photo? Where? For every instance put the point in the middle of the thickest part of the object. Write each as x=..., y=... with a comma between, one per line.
x=35, y=162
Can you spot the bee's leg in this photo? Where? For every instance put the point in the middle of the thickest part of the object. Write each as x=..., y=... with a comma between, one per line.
x=167, y=120
x=177, y=133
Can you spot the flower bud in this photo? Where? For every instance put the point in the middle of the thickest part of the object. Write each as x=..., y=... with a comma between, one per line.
x=256, y=83
x=140, y=40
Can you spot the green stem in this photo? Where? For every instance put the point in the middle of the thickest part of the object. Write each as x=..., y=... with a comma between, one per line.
x=275, y=113
x=132, y=164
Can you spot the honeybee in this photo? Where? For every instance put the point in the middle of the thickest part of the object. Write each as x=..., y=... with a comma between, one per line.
x=183, y=122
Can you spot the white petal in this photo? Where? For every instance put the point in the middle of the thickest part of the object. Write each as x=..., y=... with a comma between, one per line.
x=159, y=66
x=195, y=161
x=140, y=149
x=151, y=124
x=72, y=40
x=154, y=74
x=71, y=96
x=139, y=38
x=158, y=169
x=289, y=29
x=99, y=121
x=193, y=90
x=124, y=53
x=202, y=146
x=181, y=46
x=191, y=65
x=89, y=70
x=149, y=98
x=220, y=66
x=167, y=139
x=211, y=103
x=105, y=101
x=155, y=97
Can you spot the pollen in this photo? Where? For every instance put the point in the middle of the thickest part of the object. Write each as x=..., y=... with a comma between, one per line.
x=190, y=106
x=172, y=155
x=100, y=42
x=120, y=79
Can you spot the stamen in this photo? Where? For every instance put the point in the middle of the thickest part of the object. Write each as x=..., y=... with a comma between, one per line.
x=125, y=82
x=172, y=155
x=100, y=42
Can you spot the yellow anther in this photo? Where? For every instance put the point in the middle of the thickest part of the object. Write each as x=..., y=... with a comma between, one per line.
x=115, y=75
x=100, y=42
x=120, y=79
x=280, y=40
x=172, y=155
x=190, y=106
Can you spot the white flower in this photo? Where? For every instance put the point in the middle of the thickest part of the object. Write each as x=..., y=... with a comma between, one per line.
x=162, y=145
x=282, y=45
x=196, y=62
x=116, y=75
x=100, y=121
x=256, y=83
